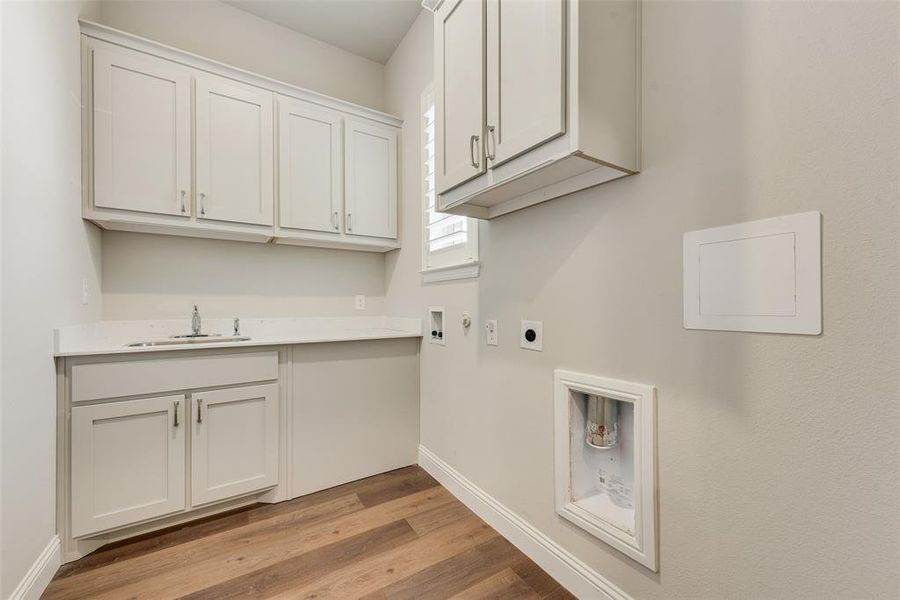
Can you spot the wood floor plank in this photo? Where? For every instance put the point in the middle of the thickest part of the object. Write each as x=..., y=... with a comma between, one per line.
x=505, y=585
x=371, y=491
x=538, y=580
x=380, y=571
x=455, y=574
x=395, y=536
x=306, y=568
x=183, y=572
x=452, y=512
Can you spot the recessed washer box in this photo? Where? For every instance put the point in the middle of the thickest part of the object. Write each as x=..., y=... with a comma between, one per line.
x=762, y=276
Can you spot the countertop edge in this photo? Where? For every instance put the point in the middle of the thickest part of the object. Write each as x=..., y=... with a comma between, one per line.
x=253, y=343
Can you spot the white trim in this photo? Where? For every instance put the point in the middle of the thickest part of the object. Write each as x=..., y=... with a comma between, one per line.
x=40, y=574
x=141, y=44
x=781, y=260
x=638, y=541
x=576, y=576
x=451, y=272
x=455, y=262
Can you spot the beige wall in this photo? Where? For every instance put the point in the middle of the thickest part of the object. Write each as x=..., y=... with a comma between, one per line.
x=159, y=276
x=152, y=276
x=46, y=250
x=778, y=461
x=230, y=35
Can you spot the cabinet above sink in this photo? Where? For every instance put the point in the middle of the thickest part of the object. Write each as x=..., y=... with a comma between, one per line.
x=181, y=145
x=535, y=100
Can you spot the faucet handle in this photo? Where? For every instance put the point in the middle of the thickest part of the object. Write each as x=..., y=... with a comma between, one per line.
x=237, y=326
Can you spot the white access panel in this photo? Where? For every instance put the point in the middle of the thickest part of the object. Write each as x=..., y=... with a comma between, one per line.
x=762, y=276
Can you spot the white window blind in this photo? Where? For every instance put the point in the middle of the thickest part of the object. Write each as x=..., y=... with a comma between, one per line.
x=449, y=240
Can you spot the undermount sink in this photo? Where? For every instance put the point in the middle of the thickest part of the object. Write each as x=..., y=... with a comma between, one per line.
x=180, y=340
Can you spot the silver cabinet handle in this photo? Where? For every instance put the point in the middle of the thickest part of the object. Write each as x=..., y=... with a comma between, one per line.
x=335, y=221
x=473, y=143
x=349, y=222
x=202, y=203
x=183, y=194
x=177, y=403
x=199, y=410
x=491, y=143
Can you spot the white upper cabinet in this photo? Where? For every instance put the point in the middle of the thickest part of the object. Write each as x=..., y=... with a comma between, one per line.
x=235, y=445
x=459, y=67
x=561, y=100
x=526, y=70
x=310, y=182
x=177, y=144
x=370, y=179
x=235, y=151
x=128, y=462
x=141, y=132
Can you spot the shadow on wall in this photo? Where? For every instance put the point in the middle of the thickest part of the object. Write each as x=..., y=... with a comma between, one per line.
x=155, y=275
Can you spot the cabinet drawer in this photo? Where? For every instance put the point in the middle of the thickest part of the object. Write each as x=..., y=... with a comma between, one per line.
x=130, y=378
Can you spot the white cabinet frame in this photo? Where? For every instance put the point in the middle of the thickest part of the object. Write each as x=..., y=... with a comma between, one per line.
x=107, y=114
x=162, y=429
x=228, y=456
x=216, y=201
x=304, y=204
x=370, y=184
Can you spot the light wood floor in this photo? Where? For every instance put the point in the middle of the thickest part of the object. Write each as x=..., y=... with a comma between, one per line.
x=395, y=535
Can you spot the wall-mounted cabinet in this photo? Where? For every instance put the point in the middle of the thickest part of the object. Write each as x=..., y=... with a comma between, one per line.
x=234, y=131
x=181, y=145
x=534, y=100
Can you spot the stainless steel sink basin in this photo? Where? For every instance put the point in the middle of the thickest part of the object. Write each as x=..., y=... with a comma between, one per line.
x=188, y=340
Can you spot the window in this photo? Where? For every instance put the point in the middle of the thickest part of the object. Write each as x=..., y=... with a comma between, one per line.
x=450, y=242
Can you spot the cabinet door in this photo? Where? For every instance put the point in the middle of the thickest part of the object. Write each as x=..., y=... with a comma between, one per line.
x=235, y=153
x=526, y=76
x=127, y=462
x=370, y=179
x=310, y=166
x=141, y=132
x=235, y=442
x=459, y=93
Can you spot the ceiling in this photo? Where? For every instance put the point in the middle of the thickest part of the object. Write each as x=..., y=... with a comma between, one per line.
x=369, y=28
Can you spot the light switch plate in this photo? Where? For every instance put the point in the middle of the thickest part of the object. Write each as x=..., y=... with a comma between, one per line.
x=763, y=276
x=531, y=336
x=360, y=302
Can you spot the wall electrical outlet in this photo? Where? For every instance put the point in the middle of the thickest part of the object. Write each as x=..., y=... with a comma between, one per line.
x=493, y=336
x=532, y=335
x=85, y=292
x=360, y=302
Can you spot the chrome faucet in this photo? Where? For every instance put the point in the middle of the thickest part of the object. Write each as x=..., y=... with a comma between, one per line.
x=237, y=327
x=195, y=321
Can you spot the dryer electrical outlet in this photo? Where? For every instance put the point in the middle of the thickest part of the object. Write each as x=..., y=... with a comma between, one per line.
x=531, y=336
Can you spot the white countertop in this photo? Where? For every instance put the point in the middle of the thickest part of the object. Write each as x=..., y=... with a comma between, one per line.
x=113, y=337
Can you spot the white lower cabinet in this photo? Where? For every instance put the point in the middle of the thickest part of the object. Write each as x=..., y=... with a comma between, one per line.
x=128, y=462
x=234, y=449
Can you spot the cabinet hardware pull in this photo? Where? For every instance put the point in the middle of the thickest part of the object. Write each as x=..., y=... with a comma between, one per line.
x=175, y=424
x=183, y=193
x=202, y=203
x=349, y=222
x=491, y=143
x=473, y=142
x=336, y=220
x=199, y=410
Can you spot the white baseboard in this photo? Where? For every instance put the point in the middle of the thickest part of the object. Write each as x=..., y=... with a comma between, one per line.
x=572, y=573
x=39, y=575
